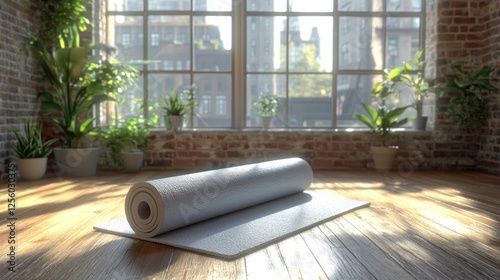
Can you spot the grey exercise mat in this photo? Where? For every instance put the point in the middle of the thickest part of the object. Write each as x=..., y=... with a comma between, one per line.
x=228, y=212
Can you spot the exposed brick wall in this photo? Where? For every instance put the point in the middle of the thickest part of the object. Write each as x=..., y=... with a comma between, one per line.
x=18, y=78
x=468, y=31
x=489, y=155
x=324, y=150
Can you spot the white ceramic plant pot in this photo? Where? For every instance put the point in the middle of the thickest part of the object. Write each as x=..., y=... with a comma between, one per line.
x=383, y=157
x=419, y=123
x=176, y=122
x=32, y=168
x=266, y=122
x=79, y=162
x=133, y=160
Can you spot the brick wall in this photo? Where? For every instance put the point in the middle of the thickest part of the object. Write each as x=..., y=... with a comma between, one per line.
x=489, y=155
x=468, y=31
x=18, y=79
x=324, y=150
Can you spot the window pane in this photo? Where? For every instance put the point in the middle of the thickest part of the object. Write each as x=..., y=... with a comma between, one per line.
x=169, y=43
x=311, y=5
x=310, y=100
x=127, y=105
x=212, y=43
x=360, y=43
x=402, y=40
x=352, y=90
x=213, y=5
x=127, y=38
x=264, y=51
x=169, y=5
x=124, y=5
x=310, y=44
x=266, y=5
x=404, y=5
x=213, y=96
x=159, y=86
x=265, y=84
x=360, y=5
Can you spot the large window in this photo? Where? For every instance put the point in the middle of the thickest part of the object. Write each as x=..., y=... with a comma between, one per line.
x=320, y=58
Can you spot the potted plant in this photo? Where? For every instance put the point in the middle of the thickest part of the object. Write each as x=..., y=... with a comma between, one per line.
x=176, y=107
x=382, y=121
x=267, y=107
x=32, y=151
x=411, y=76
x=127, y=141
x=79, y=82
x=68, y=107
x=468, y=108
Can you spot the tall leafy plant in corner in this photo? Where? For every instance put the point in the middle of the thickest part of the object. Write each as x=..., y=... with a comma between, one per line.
x=69, y=103
x=63, y=21
x=469, y=107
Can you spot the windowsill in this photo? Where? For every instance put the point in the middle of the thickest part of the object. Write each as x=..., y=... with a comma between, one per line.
x=282, y=130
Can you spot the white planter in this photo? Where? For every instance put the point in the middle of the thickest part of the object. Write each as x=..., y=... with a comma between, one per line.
x=266, y=122
x=176, y=122
x=32, y=168
x=79, y=162
x=133, y=160
x=419, y=123
x=383, y=157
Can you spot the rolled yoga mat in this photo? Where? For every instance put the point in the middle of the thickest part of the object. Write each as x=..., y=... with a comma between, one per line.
x=227, y=212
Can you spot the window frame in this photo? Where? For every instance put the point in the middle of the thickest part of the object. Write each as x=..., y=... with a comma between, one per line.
x=239, y=71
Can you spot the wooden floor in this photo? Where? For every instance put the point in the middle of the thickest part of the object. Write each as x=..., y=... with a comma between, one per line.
x=429, y=225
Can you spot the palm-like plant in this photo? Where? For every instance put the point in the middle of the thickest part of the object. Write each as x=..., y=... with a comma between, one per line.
x=72, y=99
x=30, y=144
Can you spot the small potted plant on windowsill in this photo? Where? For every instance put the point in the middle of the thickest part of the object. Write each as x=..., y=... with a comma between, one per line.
x=383, y=121
x=176, y=106
x=32, y=151
x=411, y=75
x=267, y=107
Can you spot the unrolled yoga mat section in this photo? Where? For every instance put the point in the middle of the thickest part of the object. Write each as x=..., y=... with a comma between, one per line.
x=227, y=212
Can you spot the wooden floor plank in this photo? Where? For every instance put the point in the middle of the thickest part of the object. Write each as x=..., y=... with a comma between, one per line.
x=334, y=258
x=430, y=225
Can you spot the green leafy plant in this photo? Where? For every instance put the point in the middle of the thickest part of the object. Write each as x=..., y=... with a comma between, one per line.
x=266, y=105
x=63, y=21
x=130, y=136
x=30, y=144
x=411, y=75
x=381, y=120
x=115, y=76
x=175, y=104
x=71, y=100
x=469, y=108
